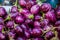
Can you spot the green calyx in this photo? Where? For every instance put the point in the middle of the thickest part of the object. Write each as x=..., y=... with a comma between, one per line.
x=56, y=36
x=3, y=31
x=31, y=16
x=8, y=18
x=43, y=14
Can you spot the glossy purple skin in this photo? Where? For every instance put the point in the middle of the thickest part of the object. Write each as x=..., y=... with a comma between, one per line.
x=22, y=3
x=27, y=34
x=58, y=13
x=2, y=36
x=58, y=7
x=14, y=9
x=57, y=23
x=21, y=38
x=35, y=9
x=13, y=15
x=1, y=21
x=47, y=27
x=45, y=7
x=50, y=15
x=28, y=16
x=37, y=24
x=44, y=22
x=29, y=21
x=29, y=4
x=24, y=11
x=19, y=30
x=37, y=39
x=1, y=27
x=30, y=30
x=2, y=12
x=37, y=18
x=49, y=35
x=19, y=19
x=24, y=27
x=33, y=0
x=30, y=0
x=36, y=32
x=10, y=24
x=11, y=34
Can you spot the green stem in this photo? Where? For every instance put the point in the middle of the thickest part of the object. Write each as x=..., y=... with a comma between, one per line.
x=15, y=25
x=16, y=3
x=8, y=18
x=39, y=2
x=43, y=15
x=3, y=31
x=11, y=38
x=56, y=34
